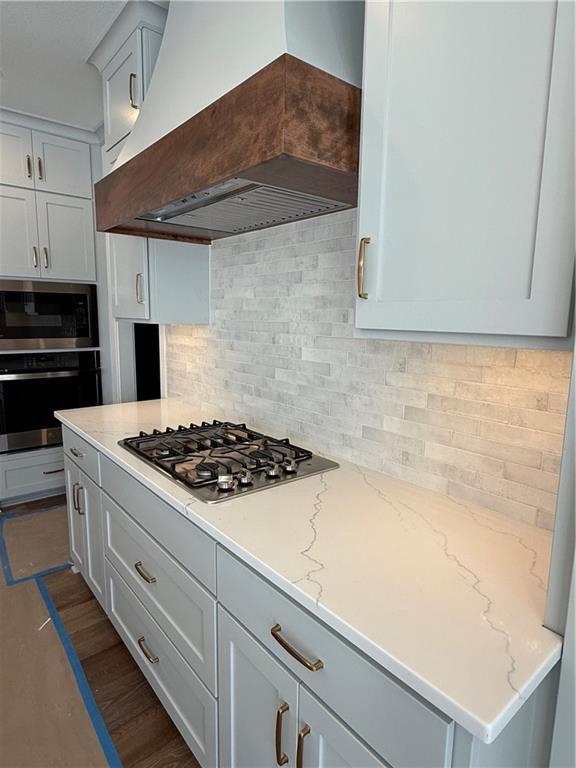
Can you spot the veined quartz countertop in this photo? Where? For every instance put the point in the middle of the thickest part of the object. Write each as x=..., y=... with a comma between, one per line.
x=447, y=596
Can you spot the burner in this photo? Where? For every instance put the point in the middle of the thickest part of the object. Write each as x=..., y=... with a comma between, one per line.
x=219, y=460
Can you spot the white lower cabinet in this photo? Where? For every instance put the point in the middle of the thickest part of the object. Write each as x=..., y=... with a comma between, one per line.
x=29, y=474
x=85, y=527
x=325, y=742
x=189, y=703
x=258, y=702
x=76, y=524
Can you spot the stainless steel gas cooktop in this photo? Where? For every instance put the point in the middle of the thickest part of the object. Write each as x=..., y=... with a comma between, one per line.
x=221, y=460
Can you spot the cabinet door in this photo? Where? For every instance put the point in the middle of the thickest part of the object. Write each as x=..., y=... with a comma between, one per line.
x=122, y=83
x=16, y=166
x=466, y=184
x=19, y=256
x=258, y=701
x=76, y=519
x=66, y=237
x=325, y=742
x=62, y=165
x=129, y=269
x=90, y=505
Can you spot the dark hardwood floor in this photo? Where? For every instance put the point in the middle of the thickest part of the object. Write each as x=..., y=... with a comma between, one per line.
x=142, y=732
x=32, y=506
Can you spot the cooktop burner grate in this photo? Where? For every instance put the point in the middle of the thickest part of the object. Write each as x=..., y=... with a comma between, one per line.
x=222, y=459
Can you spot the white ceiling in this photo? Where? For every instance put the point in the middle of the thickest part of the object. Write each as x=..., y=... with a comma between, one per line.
x=44, y=45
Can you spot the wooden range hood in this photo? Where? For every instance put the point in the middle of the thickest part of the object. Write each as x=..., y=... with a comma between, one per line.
x=283, y=145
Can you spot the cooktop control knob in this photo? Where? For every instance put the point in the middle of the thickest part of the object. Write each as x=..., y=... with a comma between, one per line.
x=245, y=477
x=290, y=467
x=273, y=470
x=226, y=482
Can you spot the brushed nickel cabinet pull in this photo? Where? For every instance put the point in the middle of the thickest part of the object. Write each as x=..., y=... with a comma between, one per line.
x=79, y=508
x=150, y=656
x=35, y=256
x=46, y=258
x=360, y=271
x=304, y=731
x=131, y=81
x=139, y=568
x=28, y=166
x=313, y=666
x=77, y=453
x=40, y=169
x=53, y=471
x=139, y=292
x=74, y=501
x=281, y=757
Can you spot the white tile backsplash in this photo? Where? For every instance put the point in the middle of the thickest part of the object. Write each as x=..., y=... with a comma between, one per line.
x=482, y=424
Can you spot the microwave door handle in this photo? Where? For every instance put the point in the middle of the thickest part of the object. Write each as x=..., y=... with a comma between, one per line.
x=42, y=375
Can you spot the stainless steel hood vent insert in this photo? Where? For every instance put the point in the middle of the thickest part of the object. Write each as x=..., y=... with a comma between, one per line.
x=252, y=208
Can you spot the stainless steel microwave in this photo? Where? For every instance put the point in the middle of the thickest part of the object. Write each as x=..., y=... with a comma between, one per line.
x=44, y=315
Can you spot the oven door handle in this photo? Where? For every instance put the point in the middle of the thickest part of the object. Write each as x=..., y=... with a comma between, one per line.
x=43, y=375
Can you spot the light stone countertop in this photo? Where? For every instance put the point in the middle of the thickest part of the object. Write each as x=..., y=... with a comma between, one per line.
x=447, y=596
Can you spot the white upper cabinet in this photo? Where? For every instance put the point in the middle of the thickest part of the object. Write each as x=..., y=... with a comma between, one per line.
x=66, y=237
x=62, y=165
x=122, y=82
x=466, y=183
x=160, y=281
x=19, y=255
x=45, y=162
x=16, y=160
x=125, y=80
x=129, y=266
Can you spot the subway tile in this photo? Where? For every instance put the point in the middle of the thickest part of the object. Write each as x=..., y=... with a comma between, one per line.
x=468, y=460
x=535, y=497
x=558, y=402
x=534, y=478
x=474, y=408
x=529, y=457
x=504, y=395
x=424, y=383
x=519, y=436
x=445, y=370
x=557, y=363
x=514, y=509
x=525, y=378
x=543, y=421
x=551, y=463
x=445, y=420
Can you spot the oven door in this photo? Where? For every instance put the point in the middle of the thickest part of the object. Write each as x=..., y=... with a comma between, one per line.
x=36, y=315
x=28, y=401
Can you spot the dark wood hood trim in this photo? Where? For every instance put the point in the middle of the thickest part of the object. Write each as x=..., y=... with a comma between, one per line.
x=290, y=125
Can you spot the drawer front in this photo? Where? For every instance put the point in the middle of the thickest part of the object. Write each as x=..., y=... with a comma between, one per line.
x=82, y=454
x=188, y=702
x=185, y=541
x=31, y=473
x=181, y=606
x=398, y=724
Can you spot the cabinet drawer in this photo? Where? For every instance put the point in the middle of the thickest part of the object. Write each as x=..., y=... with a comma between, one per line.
x=183, y=609
x=82, y=453
x=30, y=473
x=185, y=698
x=185, y=541
x=398, y=724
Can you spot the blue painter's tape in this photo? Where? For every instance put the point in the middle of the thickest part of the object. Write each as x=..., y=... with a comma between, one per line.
x=6, y=570
x=85, y=691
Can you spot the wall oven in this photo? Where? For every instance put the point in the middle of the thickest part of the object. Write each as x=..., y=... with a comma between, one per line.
x=43, y=315
x=33, y=386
